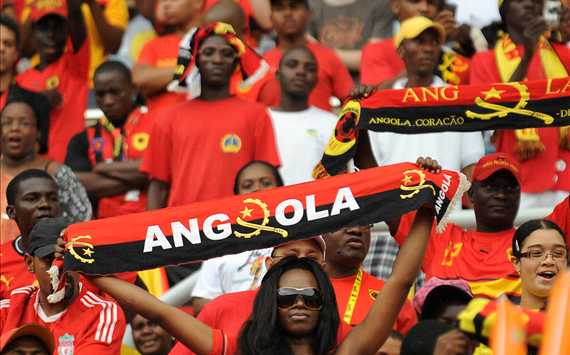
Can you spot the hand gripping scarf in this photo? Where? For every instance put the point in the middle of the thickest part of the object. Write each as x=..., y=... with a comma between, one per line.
x=251, y=69
x=264, y=219
x=541, y=103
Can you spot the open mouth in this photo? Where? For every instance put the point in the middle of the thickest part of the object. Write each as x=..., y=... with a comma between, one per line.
x=547, y=274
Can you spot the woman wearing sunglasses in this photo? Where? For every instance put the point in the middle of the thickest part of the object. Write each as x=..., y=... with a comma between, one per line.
x=294, y=312
x=540, y=254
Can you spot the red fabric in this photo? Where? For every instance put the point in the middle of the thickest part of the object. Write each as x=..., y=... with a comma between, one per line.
x=161, y=52
x=13, y=270
x=136, y=132
x=369, y=290
x=333, y=77
x=481, y=259
x=380, y=62
x=91, y=324
x=561, y=216
x=210, y=141
x=69, y=75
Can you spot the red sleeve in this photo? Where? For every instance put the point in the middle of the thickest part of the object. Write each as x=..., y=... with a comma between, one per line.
x=156, y=158
x=223, y=343
x=147, y=54
x=561, y=216
x=483, y=69
x=377, y=65
x=94, y=341
x=342, y=81
x=78, y=62
x=265, y=145
x=406, y=319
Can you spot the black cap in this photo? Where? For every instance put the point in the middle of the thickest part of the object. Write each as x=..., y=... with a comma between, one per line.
x=44, y=234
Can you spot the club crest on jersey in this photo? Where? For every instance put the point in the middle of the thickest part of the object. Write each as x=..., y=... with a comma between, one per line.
x=66, y=344
x=97, y=144
x=140, y=141
x=230, y=143
x=52, y=82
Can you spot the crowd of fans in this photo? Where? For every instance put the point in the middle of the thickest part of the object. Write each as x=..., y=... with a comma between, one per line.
x=203, y=99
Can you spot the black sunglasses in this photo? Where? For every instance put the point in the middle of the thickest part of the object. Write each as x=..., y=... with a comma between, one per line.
x=287, y=297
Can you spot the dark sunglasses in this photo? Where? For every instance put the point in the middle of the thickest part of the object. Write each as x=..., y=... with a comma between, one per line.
x=287, y=297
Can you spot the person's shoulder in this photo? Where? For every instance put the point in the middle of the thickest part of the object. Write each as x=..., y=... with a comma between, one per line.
x=237, y=103
x=233, y=298
x=380, y=45
x=319, y=113
x=91, y=305
x=22, y=294
x=273, y=56
x=373, y=282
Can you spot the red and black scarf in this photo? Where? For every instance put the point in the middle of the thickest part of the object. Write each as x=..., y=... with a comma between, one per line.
x=259, y=220
x=544, y=103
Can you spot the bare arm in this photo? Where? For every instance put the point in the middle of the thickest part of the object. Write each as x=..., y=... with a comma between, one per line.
x=368, y=336
x=151, y=80
x=262, y=13
x=157, y=194
x=350, y=58
x=98, y=185
x=110, y=35
x=196, y=335
x=126, y=171
x=530, y=37
x=77, y=29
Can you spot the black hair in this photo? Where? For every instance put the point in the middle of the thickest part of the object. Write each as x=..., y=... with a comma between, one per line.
x=14, y=184
x=304, y=49
x=114, y=66
x=41, y=107
x=421, y=339
x=527, y=228
x=441, y=297
x=12, y=26
x=262, y=333
x=273, y=169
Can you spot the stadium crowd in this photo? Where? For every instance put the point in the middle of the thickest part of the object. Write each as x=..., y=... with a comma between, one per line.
x=115, y=107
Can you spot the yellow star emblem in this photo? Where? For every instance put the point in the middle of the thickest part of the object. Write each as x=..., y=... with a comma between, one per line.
x=246, y=212
x=407, y=180
x=493, y=93
x=88, y=252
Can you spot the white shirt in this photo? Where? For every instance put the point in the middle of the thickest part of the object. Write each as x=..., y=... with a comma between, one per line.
x=478, y=13
x=453, y=150
x=231, y=273
x=301, y=138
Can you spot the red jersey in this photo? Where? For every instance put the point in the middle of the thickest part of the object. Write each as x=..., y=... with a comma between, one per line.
x=99, y=144
x=209, y=141
x=13, y=270
x=380, y=62
x=333, y=78
x=91, y=324
x=226, y=314
x=70, y=76
x=161, y=52
x=561, y=216
x=369, y=288
x=481, y=259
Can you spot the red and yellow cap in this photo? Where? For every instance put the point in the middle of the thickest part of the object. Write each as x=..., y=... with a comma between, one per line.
x=415, y=26
x=41, y=8
x=490, y=164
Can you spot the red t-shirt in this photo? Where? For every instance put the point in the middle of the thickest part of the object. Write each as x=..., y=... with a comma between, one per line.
x=380, y=62
x=561, y=216
x=481, y=259
x=540, y=173
x=70, y=76
x=91, y=324
x=13, y=270
x=333, y=78
x=369, y=289
x=161, y=52
x=208, y=141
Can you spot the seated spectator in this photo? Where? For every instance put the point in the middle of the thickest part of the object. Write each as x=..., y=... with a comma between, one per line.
x=301, y=130
x=290, y=21
x=106, y=156
x=31, y=196
x=24, y=122
x=156, y=63
x=540, y=254
x=495, y=194
x=28, y=339
x=346, y=26
x=442, y=300
x=61, y=73
x=9, y=53
x=82, y=321
x=382, y=61
x=294, y=310
x=227, y=130
x=522, y=52
x=431, y=337
x=243, y=271
x=149, y=337
x=355, y=289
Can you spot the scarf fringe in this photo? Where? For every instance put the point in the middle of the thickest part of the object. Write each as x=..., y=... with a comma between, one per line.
x=57, y=283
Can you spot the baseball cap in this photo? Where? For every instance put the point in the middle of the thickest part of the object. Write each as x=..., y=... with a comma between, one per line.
x=490, y=164
x=44, y=234
x=441, y=288
x=415, y=26
x=41, y=8
x=31, y=329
